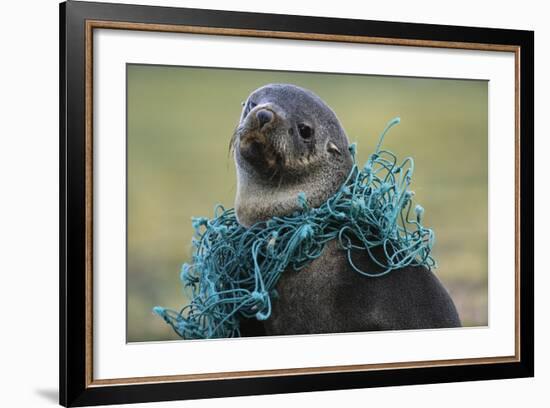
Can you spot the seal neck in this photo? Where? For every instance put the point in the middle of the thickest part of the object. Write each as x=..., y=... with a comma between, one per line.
x=255, y=202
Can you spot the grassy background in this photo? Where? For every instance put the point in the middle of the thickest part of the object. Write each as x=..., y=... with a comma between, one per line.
x=180, y=121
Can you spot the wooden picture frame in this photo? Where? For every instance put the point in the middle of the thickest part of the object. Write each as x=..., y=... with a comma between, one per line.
x=78, y=20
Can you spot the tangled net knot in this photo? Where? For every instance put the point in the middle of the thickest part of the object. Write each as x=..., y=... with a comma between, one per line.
x=234, y=269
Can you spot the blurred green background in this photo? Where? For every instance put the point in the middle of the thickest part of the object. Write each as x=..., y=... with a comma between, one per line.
x=180, y=121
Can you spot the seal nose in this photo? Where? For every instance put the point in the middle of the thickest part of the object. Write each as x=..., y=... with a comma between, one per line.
x=264, y=117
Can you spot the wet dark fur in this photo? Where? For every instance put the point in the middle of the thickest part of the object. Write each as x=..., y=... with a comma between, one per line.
x=274, y=163
x=329, y=297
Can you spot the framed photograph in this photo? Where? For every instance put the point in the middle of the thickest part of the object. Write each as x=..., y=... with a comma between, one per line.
x=256, y=203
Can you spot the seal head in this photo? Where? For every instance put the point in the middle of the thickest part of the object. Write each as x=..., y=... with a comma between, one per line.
x=288, y=141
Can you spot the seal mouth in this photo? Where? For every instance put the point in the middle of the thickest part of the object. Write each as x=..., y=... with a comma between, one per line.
x=254, y=140
x=257, y=150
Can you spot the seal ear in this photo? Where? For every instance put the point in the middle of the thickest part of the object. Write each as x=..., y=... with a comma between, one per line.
x=331, y=148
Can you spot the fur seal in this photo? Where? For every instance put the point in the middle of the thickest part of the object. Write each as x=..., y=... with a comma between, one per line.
x=289, y=141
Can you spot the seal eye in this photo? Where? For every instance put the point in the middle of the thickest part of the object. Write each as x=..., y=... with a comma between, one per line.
x=305, y=131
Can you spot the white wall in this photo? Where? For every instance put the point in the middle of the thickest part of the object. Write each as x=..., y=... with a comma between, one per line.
x=29, y=191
